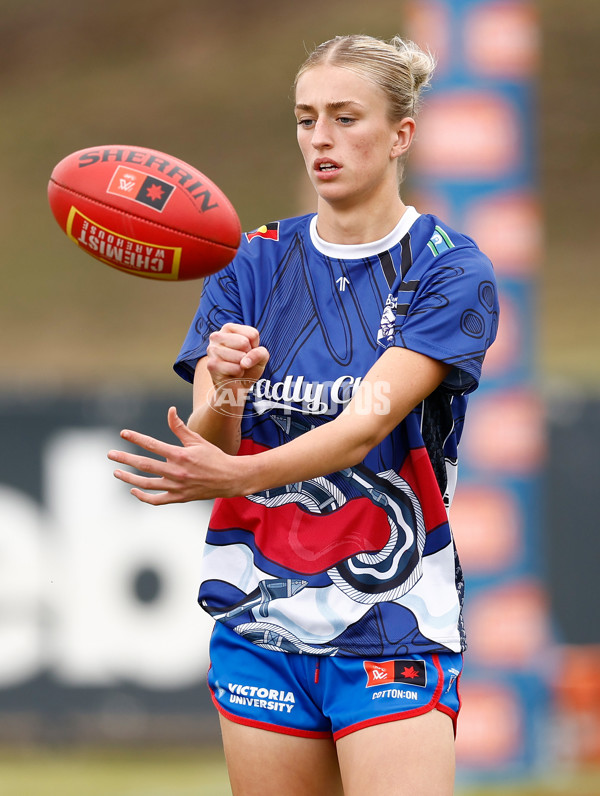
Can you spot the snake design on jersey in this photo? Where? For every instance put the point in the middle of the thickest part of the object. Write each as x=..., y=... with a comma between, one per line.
x=372, y=577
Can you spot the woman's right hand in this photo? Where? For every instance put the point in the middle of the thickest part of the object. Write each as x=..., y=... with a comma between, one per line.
x=235, y=357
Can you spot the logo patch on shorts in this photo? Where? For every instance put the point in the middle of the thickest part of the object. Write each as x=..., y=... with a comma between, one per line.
x=410, y=672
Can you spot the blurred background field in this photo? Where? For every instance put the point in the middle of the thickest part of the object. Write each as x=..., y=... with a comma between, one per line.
x=193, y=773
x=105, y=695
x=99, y=773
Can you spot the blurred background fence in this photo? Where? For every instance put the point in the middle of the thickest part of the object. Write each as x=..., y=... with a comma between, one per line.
x=100, y=638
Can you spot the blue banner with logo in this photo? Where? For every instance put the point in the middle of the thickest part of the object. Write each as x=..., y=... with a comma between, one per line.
x=475, y=165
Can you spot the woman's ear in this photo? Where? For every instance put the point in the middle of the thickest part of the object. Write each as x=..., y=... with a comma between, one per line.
x=404, y=133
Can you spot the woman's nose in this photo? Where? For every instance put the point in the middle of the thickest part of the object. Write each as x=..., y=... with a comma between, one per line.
x=321, y=134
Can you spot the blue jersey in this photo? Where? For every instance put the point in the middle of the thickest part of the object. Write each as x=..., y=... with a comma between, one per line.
x=358, y=562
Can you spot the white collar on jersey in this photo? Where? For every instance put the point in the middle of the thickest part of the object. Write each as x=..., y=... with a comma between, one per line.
x=357, y=251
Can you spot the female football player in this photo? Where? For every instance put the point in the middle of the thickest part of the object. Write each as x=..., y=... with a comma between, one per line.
x=331, y=364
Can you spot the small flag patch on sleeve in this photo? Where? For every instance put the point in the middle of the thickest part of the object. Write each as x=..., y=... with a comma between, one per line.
x=267, y=231
x=439, y=241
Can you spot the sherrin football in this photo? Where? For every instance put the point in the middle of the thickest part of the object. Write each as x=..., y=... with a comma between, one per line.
x=144, y=212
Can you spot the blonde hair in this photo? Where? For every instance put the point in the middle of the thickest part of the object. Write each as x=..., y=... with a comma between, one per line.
x=399, y=67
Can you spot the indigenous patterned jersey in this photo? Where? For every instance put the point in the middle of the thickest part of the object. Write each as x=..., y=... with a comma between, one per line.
x=362, y=561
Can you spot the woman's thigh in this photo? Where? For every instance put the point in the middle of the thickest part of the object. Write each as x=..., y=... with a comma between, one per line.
x=410, y=757
x=264, y=763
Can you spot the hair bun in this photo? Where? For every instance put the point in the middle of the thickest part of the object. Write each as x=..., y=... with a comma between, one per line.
x=420, y=64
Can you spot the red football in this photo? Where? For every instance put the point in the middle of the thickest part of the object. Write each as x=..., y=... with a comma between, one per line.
x=144, y=212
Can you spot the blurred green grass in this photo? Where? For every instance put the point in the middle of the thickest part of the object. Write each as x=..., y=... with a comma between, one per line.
x=190, y=772
x=71, y=772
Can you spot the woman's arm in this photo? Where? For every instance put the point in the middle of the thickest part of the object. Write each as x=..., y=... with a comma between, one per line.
x=212, y=418
x=398, y=382
x=199, y=470
x=234, y=361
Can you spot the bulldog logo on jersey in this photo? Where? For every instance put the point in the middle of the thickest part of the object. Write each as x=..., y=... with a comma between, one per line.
x=267, y=231
x=385, y=334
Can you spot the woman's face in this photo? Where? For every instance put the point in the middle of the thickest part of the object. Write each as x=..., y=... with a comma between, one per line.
x=350, y=146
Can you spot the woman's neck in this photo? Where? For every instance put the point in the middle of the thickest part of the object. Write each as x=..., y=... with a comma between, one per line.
x=357, y=224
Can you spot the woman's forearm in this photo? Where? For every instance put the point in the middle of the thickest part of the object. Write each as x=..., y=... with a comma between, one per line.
x=218, y=411
x=394, y=386
x=219, y=429
x=334, y=446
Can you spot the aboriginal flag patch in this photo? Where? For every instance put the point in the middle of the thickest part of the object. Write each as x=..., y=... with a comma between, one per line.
x=410, y=672
x=267, y=231
x=140, y=187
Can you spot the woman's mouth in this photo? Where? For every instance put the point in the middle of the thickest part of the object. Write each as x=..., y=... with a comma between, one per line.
x=325, y=166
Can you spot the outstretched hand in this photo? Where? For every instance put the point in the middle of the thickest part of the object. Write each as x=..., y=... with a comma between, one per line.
x=194, y=470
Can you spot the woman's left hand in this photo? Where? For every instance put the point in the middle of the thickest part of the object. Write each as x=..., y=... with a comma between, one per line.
x=194, y=470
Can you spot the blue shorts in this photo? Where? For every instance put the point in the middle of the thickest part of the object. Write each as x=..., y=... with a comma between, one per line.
x=317, y=696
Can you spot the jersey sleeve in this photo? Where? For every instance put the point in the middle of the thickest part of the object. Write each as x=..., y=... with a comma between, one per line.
x=219, y=304
x=453, y=316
